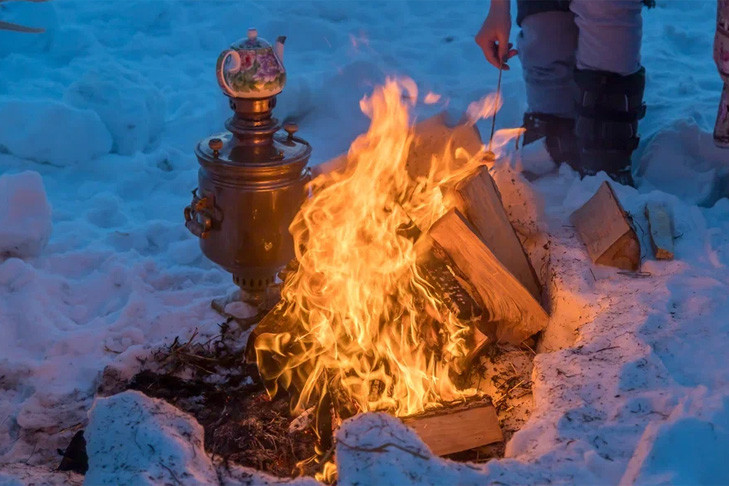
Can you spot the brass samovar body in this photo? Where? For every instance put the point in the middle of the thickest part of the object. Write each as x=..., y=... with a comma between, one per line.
x=251, y=183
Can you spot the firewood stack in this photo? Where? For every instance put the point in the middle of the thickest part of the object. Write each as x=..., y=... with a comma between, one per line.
x=476, y=264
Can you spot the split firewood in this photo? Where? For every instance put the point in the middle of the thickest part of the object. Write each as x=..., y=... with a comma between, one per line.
x=460, y=299
x=431, y=138
x=447, y=283
x=515, y=310
x=451, y=287
x=606, y=231
x=457, y=428
x=478, y=198
x=660, y=230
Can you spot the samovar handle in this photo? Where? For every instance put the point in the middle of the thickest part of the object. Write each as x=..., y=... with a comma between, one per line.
x=197, y=215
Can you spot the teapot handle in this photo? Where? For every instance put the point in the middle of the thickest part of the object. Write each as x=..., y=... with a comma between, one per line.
x=220, y=70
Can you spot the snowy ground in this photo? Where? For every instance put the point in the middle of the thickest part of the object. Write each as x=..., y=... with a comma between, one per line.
x=98, y=119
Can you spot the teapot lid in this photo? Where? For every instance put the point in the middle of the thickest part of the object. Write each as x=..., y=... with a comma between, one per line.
x=252, y=41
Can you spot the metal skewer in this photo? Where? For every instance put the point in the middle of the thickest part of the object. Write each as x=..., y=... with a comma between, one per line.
x=493, y=117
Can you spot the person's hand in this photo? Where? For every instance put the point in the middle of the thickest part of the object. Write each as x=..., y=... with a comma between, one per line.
x=493, y=37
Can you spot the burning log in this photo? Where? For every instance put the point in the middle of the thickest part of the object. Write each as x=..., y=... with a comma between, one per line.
x=604, y=227
x=660, y=230
x=457, y=428
x=515, y=310
x=478, y=198
x=451, y=287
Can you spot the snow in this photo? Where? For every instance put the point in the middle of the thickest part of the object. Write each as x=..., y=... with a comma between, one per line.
x=134, y=439
x=48, y=132
x=98, y=120
x=132, y=109
x=25, y=221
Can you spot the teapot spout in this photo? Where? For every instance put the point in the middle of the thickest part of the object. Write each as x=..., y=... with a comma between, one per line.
x=279, y=48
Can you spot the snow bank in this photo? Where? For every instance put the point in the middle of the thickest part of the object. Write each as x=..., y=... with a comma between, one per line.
x=51, y=132
x=25, y=215
x=130, y=107
x=376, y=448
x=134, y=439
x=699, y=172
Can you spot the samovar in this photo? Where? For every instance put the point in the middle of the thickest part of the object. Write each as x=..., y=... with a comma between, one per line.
x=252, y=178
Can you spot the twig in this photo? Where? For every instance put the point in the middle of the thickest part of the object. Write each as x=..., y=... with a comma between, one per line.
x=172, y=473
x=20, y=28
x=605, y=349
x=383, y=448
x=529, y=348
x=35, y=447
x=638, y=274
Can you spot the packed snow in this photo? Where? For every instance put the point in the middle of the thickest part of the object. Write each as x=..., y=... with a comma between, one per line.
x=98, y=120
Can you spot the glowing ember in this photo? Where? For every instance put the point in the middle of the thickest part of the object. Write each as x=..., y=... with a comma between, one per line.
x=358, y=298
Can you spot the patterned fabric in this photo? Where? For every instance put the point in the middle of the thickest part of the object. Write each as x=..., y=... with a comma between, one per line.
x=721, y=58
x=721, y=39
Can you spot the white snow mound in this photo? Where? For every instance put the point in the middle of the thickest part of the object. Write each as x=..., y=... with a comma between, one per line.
x=25, y=215
x=134, y=439
x=51, y=132
x=376, y=448
x=131, y=108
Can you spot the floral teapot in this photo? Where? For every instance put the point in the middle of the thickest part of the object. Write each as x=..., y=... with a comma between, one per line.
x=252, y=68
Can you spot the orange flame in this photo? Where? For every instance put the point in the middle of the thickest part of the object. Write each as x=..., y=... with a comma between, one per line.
x=358, y=295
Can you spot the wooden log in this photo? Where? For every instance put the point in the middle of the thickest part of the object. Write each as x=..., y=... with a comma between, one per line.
x=457, y=428
x=605, y=229
x=478, y=198
x=660, y=229
x=431, y=137
x=518, y=314
x=459, y=298
x=448, y=284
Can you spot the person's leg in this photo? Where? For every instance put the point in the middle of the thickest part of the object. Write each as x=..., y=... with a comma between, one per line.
x=547, y=44
x=611, y=82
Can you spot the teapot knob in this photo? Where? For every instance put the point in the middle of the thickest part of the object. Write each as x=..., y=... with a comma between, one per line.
x=252, y=34
x=215, y=145
x=291, y=128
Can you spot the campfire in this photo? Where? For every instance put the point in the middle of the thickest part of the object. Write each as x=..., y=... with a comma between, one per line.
x=397, y=284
